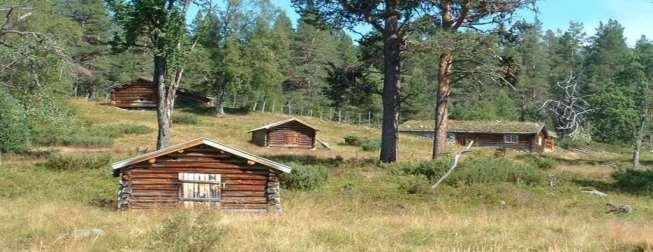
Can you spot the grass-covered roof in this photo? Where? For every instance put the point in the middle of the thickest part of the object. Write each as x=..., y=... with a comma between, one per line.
x=477, y=126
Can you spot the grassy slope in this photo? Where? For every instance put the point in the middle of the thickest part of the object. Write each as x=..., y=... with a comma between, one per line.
x=361, y=207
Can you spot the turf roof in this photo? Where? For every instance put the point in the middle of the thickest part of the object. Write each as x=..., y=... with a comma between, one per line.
x=477, y=126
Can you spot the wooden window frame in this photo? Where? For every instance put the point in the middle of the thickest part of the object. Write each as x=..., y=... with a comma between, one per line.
x=197, y=184
x=510, y=138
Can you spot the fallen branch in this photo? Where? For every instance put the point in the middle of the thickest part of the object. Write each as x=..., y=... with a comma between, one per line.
x=595, y=192
x=453, y=166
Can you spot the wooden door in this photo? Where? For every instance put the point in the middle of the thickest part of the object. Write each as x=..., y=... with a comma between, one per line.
x=292, y=138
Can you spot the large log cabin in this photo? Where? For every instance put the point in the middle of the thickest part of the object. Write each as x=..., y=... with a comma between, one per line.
x=524, y=136
x=290, y=133
x=199, y=173
x=141, y=94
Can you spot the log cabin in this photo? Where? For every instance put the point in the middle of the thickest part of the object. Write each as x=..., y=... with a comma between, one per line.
x=291, y=133
x=199, y=173
x=141, y=94
x=523, y=136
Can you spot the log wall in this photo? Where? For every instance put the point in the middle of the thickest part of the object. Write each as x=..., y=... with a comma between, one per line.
x=292, y=134
x=156, y=185
x=137, y=94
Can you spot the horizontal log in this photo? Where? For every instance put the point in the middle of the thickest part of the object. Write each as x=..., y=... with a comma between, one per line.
x=244, y=200
x=174, y=175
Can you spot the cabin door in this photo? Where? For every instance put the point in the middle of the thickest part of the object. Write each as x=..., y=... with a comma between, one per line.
x=200, y=189
x=292, y=138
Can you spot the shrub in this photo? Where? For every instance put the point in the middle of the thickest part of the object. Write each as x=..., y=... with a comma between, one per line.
x=118, y=130
x=305, y=177
x=371, y=145
x=634, y=181
x=415, y=185
x=540, y=161
x=187, y=231
x=493, y=170
x=432, y=170
x=14, y=135
x=185, y=118
x=476, y=170
x=353, y=140
x=77, y=162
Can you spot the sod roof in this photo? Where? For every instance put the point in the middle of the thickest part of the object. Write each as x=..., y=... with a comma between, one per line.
x=500, y=127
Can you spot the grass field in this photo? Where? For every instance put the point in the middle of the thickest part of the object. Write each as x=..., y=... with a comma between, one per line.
x=362, y=207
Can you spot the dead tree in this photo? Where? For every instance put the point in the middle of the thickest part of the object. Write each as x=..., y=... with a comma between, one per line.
x=570, y=110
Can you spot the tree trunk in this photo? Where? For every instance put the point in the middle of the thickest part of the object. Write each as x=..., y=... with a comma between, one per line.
x=441, y=104
x=162, y=112
x=391, y=85
x=219, y=101
x=638, y=141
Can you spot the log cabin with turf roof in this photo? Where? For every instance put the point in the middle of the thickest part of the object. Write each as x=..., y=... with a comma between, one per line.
x=523, y=136
x=141, y=94
x=199, y=173
x=290, y=133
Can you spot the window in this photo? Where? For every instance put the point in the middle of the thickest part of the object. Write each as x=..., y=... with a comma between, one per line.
x=199, y=187
x=510, y=139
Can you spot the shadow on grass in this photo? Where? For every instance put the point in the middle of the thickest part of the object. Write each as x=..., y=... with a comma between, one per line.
x=313, y=160
x=636, y=182
x=210, y=111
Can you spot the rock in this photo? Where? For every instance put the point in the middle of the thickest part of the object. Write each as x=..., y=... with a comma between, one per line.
x=619, y=209
x=83, y=234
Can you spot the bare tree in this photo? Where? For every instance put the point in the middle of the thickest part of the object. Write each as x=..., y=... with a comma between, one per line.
x=570, y=110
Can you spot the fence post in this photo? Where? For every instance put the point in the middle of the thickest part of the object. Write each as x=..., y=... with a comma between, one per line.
x=369, y=118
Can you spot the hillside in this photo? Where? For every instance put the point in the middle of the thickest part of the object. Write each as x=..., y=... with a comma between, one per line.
x=363, y=206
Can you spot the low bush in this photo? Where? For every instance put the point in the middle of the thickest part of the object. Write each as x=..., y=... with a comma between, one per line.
x=371, y=145
x=477, y=170
x=188, y=231
x=634, y=181
x=494, y=170
x=365, y=144
x=185, y=118
x=353, y=140
x=540, y=161
x=431, y=170
x=14, y=135
x=119, y=130
x=77, y=162
x=415, y=185
x=305, y=177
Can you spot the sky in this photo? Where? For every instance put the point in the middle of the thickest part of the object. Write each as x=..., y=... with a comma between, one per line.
x=635, y=15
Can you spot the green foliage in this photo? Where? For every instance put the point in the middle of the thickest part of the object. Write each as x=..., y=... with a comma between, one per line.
x=77, y=162
x=119, y=130
x=305, y=177
x=414, y=184
x=634, y=181
x=77, y=134
x=353, y=140
x=480, y=170
x=185, y=118
x=540, y=161
x=371, y=145
x=431, y=170
x=188, y=231
x=476, y=170
x=14, y=135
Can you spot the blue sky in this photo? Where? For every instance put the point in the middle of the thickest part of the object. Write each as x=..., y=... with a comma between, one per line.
x=635, y=15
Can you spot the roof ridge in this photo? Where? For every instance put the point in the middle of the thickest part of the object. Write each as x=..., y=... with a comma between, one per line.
x=192, y=143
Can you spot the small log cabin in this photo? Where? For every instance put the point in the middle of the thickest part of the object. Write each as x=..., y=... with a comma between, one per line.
x=141, y=94
x=199, y=173
x=524, y=136
x=292, y=133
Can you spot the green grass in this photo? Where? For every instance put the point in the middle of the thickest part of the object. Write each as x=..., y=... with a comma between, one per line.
x=362, y=206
